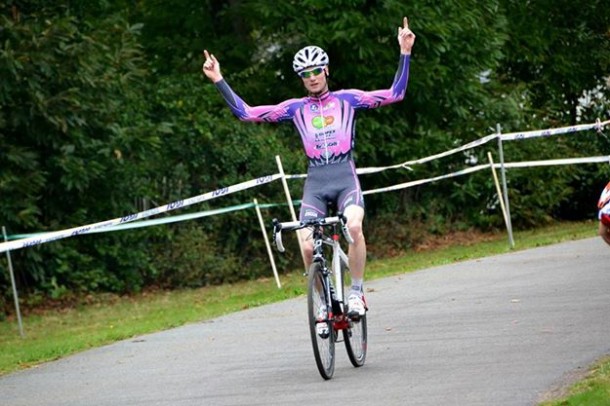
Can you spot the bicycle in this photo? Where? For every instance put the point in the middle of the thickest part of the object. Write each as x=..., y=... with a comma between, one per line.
x=328, y=311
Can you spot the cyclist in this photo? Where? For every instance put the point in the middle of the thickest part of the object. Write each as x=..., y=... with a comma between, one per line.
x=325, y=122
x=604, y=214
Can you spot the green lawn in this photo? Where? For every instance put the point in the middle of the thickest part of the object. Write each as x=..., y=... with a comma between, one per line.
x=593, y=390
x=54, y=334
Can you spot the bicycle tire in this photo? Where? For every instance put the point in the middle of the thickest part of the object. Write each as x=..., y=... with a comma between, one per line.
x=356, y=341
x=355, y=336
x=323, y=347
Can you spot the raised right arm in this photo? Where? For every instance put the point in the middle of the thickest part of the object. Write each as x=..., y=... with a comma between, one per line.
x=272, y=113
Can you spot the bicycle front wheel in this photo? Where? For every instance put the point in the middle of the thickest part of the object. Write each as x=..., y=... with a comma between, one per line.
x=320, y=326
x=355, y=335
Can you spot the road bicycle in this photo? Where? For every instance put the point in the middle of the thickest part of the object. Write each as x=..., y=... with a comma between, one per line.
x=327, y=307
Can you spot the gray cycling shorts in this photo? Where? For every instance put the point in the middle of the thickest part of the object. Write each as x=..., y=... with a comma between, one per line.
x=335, y=184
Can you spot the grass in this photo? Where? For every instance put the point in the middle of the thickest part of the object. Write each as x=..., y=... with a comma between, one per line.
x=53, y=334
x=593, y=390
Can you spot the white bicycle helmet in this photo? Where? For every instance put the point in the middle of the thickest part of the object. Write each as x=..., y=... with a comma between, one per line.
x=308, y=57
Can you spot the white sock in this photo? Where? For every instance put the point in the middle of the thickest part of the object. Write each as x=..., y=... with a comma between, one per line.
x=357, y=285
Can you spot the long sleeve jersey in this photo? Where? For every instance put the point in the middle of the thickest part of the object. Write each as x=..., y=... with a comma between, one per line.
x=325, y=123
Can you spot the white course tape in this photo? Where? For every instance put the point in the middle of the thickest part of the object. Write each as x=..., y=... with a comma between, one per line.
x=422, y=181
x=470, y=145
x=553, y=131
x=505, y=137
x=57, y=235
x=174, y=219
x=376, y=169
x=553, y=162
x=529, y=164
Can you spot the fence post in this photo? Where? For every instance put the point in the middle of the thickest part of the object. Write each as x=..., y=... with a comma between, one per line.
x=15, y=295
x=290, y=206
x=509, y=225
x=498, y=190
x=266, y=238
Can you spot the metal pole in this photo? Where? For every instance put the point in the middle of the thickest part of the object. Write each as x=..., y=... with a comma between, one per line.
x=15, y=295
x=505, y=188
x=266, y=238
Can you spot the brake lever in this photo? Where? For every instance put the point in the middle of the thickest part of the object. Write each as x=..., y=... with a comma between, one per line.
x=277, y=235
x=344, y=229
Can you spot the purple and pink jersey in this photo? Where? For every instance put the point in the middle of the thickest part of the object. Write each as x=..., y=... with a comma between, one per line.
x=325, y=123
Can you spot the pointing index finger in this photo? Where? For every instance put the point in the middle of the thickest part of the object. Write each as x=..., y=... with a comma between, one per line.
x=405, y=22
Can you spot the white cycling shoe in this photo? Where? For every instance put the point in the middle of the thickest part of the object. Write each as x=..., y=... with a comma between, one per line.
x=356, y=306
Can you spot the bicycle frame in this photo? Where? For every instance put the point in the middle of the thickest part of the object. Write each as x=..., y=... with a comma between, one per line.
x=339, y=257
x=320, y=238
x=323, y=294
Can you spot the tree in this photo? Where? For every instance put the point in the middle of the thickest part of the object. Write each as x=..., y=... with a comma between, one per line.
x=103, y=111
x=71, y=124
x=558, y=56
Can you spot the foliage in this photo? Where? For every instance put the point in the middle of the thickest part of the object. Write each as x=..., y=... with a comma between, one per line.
x=75, y=143
x=207, y=149
x=104, y=112
x=550, y=41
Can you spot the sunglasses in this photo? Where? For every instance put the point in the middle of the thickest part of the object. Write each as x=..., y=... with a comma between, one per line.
x=310, y=73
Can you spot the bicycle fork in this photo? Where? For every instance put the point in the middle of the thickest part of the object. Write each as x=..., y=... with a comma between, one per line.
x=335, y=296
x=336, y=314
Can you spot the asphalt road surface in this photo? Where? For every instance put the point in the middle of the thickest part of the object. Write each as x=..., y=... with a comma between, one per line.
x=505, y=330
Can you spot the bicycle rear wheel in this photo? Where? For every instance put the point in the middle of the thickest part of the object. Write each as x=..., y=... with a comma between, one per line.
x=320, y=326
x=355, y=336
x=356, y=341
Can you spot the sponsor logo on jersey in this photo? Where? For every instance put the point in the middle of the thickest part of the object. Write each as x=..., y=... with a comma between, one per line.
x=318, y=123
x=316, y=107
x=325, y=135
x=327, y=145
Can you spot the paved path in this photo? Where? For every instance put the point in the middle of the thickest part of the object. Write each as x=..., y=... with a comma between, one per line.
x=498, y=331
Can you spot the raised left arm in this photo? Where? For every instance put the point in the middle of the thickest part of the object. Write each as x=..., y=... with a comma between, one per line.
x=372, y=99
x=361, y=99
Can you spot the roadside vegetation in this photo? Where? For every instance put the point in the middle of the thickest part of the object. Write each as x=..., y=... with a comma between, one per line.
x=592, y=390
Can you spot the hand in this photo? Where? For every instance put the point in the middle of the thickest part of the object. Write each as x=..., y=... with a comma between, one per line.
x=406, y=38
x=211, y=67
